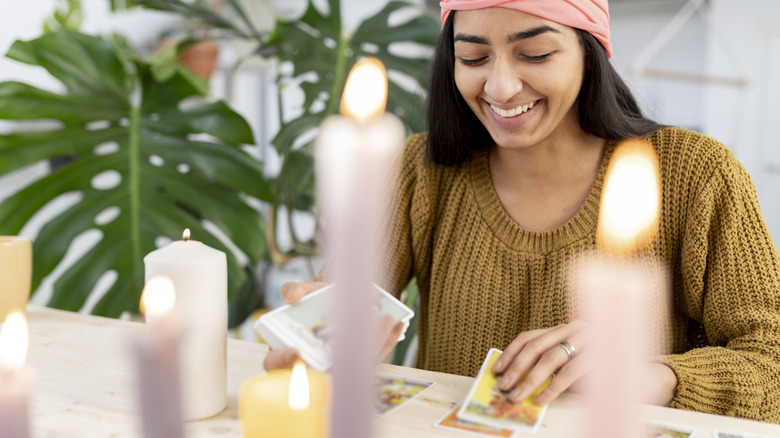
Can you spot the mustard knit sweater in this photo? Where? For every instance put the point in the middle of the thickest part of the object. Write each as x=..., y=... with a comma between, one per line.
x=483, y=278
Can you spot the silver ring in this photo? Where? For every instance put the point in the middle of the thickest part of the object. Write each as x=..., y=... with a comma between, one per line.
x=568, y=348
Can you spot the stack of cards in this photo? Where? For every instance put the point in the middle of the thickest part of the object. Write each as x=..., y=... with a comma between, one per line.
x=488, y=412
x=306, y=325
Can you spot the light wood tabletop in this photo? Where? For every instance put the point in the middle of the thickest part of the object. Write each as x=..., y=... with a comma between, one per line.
x=85, y=386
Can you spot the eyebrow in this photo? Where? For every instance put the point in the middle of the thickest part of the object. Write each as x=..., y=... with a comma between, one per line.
x=522, y=35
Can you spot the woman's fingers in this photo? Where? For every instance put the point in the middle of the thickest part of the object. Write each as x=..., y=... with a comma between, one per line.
x=389, y=333
x=279, y=359
x=292, y=291
x=537, y=349
x=563, y=380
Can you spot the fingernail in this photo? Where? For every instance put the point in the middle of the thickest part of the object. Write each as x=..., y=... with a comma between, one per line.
x=505, y=384
x=498, y=365
x=542, y=400
x=518, y=394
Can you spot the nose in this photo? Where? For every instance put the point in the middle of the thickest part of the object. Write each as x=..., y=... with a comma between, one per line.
x=504, y=81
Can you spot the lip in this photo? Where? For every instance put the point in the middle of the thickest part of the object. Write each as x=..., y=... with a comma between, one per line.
x=514, y=121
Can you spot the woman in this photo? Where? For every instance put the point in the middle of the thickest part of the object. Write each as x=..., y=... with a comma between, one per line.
x=503, y=191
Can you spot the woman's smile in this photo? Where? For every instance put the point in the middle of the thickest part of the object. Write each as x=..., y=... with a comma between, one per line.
x=512, y=116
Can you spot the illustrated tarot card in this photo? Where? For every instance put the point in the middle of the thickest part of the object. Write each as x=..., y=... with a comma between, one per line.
x=732, y=434
x=392, y=392
x=486, y=404
x=450, y=421
x=651, y=429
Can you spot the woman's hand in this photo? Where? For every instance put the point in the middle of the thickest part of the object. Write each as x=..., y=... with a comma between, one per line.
x=659, y=384
x=538, y=354
x=291, y=293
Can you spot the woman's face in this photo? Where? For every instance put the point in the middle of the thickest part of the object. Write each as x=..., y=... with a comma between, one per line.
x=520, y=74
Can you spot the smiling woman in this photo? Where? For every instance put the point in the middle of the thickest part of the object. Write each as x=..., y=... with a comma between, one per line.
x=495, y=205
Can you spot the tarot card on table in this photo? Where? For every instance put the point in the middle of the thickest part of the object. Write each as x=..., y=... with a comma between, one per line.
x=392, y=392
x=651, y=429
x=486, y=404
x=450, y=421
x=732, y=434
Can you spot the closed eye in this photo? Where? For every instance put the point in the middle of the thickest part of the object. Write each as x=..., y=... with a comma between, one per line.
x=466, y=61
x=539, y=58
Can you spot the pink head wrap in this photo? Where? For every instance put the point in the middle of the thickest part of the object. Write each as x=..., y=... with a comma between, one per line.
x=589, y=15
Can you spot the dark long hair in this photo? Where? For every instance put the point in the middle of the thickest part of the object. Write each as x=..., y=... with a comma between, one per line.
x=605, y=106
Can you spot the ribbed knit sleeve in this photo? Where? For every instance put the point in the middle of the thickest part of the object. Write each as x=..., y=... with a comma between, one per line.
x=730, y=278
x=408, y=218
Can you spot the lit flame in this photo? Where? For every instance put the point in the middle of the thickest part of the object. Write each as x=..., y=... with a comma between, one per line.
x=630, y=201
x=365, y=93
x=14, y=338
x=158, y=296
x=299, y=387
x=186, y=234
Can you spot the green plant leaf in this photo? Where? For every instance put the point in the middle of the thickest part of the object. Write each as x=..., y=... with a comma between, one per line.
x=319, y=53
x=145, y=158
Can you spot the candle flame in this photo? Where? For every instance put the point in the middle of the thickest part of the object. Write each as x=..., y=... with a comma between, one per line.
x=299, y=387
x=630, y=201
x=186, y=234
x=158, y=296
x=365, y=93
x=14, y=338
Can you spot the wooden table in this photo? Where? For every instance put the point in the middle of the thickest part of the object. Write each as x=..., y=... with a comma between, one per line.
x=85, y=387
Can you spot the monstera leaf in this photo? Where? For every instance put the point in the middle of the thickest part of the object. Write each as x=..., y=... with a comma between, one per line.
x=316, y=53
x=143, y=158
x=320, y=53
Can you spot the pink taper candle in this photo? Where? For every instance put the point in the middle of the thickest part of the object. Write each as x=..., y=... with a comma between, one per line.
x=15, y=378
x=157, y=353
x=617, y=286
x=353, y=155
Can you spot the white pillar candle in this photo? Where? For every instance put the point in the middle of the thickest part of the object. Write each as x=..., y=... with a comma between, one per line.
x=199, y=274
x=15, y=378
x=157, y=354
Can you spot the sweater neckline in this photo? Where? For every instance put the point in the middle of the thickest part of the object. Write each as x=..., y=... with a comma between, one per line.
x=582, y=225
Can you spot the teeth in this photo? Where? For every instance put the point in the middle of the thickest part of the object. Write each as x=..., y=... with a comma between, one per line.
x=512, y=112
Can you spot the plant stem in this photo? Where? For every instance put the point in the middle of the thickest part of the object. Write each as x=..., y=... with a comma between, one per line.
x=277, y=257
x=340, y=77
x=134, y=181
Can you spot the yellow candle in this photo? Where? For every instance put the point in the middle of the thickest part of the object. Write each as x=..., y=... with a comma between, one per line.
x=286, y=404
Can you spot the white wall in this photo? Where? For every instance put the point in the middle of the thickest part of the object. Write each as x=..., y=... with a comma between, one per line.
x=733, y=40
x=745, y=40
x=634, y=25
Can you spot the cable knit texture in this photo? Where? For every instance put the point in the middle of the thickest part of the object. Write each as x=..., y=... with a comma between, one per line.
x=483, y=278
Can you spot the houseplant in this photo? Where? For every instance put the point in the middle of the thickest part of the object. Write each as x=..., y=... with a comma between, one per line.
x=122, y=115
x=145, y=158
x=315, y=53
